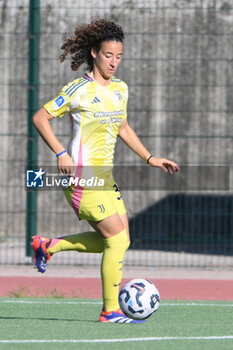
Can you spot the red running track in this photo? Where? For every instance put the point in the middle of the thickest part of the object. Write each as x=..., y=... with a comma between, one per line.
x=183, y=289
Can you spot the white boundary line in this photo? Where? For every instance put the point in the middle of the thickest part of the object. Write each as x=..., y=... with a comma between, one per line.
x=195, y=304
x=50, y=302
x=116, y=340
x=78, y=302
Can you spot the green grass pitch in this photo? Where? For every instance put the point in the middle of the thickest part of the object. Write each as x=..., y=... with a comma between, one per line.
x=73, y=324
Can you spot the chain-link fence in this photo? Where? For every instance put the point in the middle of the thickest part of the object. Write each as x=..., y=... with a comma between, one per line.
x=178, y=64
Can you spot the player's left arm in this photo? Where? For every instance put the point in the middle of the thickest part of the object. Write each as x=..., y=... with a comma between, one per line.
x=128, y=135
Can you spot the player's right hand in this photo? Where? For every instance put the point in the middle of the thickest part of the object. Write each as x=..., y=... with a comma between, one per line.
x=66, y=165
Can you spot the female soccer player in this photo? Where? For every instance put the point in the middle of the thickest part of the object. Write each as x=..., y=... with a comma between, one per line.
x=97, y=104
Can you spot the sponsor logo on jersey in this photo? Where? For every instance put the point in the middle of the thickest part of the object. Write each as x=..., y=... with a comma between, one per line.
x=108, y=114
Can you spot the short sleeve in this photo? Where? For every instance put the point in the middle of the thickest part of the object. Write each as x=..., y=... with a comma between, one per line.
x=60, y=105
x=126, y=96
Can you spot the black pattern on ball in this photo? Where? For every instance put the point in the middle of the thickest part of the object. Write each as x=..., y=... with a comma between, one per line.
x=140, y=290
x=127, y=296
x=153, y=300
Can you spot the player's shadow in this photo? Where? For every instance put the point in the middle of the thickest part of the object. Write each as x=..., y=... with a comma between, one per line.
x=186, y=223
x=45, y=319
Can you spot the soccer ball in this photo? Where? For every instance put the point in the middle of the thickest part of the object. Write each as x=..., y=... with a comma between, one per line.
x=139, y=299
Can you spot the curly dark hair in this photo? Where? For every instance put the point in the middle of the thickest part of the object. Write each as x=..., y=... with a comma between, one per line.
x=88, y=36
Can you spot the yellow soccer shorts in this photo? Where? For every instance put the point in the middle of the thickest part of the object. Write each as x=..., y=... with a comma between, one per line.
x=95, y=205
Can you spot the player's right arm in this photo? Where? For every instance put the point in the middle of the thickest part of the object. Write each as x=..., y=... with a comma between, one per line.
x=41, y=120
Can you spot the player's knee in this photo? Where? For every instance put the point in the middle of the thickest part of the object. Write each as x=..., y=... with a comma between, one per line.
x=120, y=240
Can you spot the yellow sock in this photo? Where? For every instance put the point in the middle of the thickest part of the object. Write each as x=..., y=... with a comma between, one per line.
x=112, y=268
x=88, y=242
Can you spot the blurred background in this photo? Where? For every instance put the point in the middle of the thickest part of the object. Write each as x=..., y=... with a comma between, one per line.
x=178, y=64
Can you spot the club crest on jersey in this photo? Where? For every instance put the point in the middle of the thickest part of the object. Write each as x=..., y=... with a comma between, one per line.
x=117, y=98
x=59, y=102
x=118, y=95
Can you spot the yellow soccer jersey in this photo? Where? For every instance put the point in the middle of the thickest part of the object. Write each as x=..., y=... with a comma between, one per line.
x=96, y=112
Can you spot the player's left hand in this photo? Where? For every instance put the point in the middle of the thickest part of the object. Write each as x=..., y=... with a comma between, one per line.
x=164, y=164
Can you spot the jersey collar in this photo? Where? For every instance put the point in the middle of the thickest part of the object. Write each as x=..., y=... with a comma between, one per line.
x=86, y=76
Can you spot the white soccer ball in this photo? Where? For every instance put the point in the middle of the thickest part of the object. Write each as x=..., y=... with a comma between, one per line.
x=139, y=299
